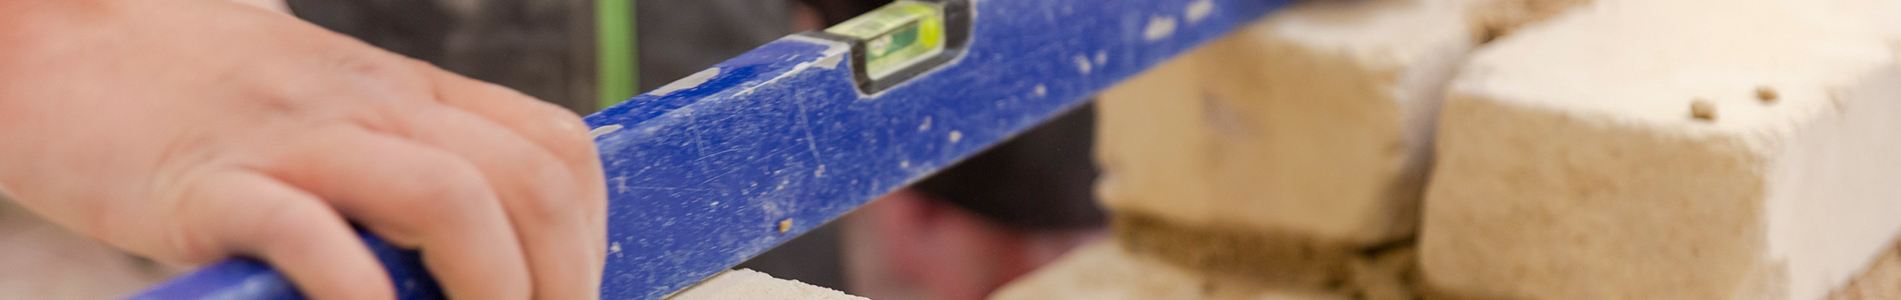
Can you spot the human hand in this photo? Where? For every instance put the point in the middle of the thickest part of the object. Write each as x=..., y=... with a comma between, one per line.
x=189, y=131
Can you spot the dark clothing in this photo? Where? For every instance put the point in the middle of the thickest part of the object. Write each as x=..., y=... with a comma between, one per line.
x=1042, y=179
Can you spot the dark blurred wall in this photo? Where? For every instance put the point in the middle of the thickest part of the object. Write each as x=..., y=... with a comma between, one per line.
x=682, y=37
x=545, y=48
x=541, y=47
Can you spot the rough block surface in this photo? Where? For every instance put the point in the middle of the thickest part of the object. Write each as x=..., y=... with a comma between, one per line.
x=1680, y=149
x=746, y=284
x=1314, y=123
x=1106, y=271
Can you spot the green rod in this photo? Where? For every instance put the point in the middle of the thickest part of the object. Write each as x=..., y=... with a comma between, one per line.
x=615, y=39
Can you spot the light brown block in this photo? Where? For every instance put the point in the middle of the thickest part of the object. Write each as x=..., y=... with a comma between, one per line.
x=746, y=284
x=1106, y=271
x=1314, y=123
x=1627, y=150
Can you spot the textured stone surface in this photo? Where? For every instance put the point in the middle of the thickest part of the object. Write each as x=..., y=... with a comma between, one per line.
x=1285, y=150
x=744, y=284
x=1106, y=271
x=1882, y=281
x=1315, y=122
x=1571, y=165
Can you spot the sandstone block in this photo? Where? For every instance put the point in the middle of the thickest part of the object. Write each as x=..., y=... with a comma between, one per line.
x=1680, y=149
x=745, y=284
x=1106, y=271
x=1315, y=123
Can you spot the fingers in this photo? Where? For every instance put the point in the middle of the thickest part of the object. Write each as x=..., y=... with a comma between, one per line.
x=554, y=222
x=415, y=195
x=561, y=219
x=247, y=212
x=555, y=129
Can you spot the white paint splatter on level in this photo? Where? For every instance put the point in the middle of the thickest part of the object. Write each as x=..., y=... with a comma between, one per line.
x=1042, y=90
x=1159, y=27
x=830, y=61
x=833, y=47
x=1199, y=10
x=613, y=248
x=1102, y=57
x=691, y=81
x=956, y=136
x=904, y=164
x=603, y=130
x=1083, y=65
x=926, y=125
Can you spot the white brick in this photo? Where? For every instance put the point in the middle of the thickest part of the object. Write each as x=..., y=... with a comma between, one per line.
x=1570, y=166
x=1882, y=281
x=1313, y=123
x=745, y=284
x=1105, y=271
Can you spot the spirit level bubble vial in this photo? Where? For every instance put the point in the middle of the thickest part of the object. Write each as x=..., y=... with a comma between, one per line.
x=902, y=39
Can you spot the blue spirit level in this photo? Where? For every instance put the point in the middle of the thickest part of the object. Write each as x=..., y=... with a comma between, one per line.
x=708, y=171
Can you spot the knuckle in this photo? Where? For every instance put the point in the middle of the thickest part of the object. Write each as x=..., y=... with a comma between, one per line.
x=369, y=68
x=375, y=75
x=571, y=145
x=569, y=136
x=188, y=245
x=559, y=121
x=287, y=223
x=564, y=119
x=554, y=199
x=545, y=213
x=182, y=239
x=449, y=185
x=561, y=132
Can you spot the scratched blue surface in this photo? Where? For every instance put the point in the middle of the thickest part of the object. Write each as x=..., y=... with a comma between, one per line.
x=247, y=279
x=700, y=177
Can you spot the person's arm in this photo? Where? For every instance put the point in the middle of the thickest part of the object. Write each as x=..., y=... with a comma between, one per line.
x=189, y=131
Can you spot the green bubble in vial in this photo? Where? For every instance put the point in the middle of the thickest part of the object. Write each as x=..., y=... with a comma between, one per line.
x=896, y=35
